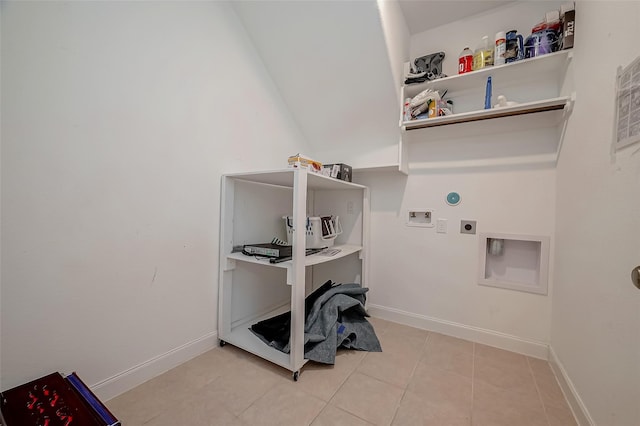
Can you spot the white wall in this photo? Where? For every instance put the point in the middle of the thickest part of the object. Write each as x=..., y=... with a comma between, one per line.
x=432, y=277
x=596, y=310
x=397, y=39
x=118, y=119
x=329, y=61
x=591, y=317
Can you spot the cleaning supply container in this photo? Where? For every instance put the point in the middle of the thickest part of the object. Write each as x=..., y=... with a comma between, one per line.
x=320, y=231
x=500, y=49
x=465, y=61
x=483, y=55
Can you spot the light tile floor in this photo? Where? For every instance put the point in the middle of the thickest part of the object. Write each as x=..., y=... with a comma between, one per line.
x=420, y=378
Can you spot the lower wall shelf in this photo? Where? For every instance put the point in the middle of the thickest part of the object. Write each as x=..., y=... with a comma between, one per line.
x=555, y=104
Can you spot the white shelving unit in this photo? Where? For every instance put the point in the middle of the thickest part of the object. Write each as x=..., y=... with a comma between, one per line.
x=538, y=85
x=252, y=289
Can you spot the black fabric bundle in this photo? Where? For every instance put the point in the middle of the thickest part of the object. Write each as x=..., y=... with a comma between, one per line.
x=276, y=331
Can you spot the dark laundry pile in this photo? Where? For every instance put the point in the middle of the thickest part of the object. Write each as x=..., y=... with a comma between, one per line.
x=335, y=317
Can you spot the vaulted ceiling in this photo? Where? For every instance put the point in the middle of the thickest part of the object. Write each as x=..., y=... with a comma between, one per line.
x=330, y=62
x=423, y=15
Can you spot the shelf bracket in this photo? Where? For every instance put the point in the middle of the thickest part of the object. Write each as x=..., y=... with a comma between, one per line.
x=568, y=109
x=230, y=265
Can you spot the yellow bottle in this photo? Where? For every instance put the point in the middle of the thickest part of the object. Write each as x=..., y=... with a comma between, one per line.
x=483, y=55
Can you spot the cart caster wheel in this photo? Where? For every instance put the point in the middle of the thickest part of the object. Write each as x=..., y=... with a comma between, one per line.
x=222, y=343
x=296, y=374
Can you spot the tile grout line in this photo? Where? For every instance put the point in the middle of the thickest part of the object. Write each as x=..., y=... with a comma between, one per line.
x=355, y=368
x=535, y=382
x=326, y=404
x=404, y=391
x=258, y=398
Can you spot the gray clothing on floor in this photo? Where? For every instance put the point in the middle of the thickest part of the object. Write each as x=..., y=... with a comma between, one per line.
x=337, y=319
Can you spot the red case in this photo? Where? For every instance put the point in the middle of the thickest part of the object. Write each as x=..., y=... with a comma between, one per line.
x=47, y=401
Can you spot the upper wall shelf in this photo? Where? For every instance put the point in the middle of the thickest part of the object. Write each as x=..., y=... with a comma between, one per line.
x=546, y=66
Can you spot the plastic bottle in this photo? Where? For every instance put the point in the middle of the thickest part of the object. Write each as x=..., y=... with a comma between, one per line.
x=407, y=110
x=487, y=94
x=501, y=47
x=465, y=61
x=483, y=55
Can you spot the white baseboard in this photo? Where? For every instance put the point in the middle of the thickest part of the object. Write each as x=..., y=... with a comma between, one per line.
x=508, y=342
x=134, y=376
x=580, y=412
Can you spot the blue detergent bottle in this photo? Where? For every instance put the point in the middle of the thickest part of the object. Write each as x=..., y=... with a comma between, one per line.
x=487, y=95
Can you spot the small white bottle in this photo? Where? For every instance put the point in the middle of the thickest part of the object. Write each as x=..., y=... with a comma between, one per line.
x=501, y=47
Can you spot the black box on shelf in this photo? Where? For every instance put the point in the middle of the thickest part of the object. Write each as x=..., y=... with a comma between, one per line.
x=568, y=29
x=338, y=171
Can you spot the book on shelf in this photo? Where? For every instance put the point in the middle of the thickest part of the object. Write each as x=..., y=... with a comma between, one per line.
x=91, y=400
x=54, y=400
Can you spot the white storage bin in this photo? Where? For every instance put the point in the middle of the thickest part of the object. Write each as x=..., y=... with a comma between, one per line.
x=319, y=231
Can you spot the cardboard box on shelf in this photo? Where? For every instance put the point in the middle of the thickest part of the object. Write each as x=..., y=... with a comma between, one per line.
x=300, y=160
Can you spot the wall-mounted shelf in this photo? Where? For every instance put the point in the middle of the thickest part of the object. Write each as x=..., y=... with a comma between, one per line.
x=547, y=67
x=544, y=100
x=555, y=104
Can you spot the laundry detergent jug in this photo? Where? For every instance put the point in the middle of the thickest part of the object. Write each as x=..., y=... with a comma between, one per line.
x=540, y=43
x=514, y=49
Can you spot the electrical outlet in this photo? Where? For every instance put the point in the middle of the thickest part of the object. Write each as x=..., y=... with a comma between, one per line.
x=441, y=226
x=467, y=226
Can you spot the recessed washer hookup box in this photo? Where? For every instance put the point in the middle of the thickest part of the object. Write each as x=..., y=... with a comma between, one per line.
x=339, y=171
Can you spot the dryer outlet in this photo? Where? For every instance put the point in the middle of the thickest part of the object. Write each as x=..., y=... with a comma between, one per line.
x=467, y=226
